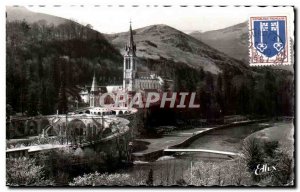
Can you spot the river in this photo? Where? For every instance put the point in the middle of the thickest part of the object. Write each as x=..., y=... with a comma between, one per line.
x=173, y=167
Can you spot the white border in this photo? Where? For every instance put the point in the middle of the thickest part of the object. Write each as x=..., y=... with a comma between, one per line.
x=114, y=2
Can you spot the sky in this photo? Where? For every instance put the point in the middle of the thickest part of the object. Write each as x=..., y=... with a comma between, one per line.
x=116, y=19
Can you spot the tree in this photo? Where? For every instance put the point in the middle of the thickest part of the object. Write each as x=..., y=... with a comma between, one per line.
x=9, y=111
x=253, y=154
x=270, y=148
x=62, y=98
x=227, y=77
x=150, y=178
x=270, y=93
x=42, y=102
x=285, y=169
x=243, y=99
x=219, y=93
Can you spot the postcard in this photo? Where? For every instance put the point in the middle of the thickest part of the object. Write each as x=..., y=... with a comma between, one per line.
x=150, y=96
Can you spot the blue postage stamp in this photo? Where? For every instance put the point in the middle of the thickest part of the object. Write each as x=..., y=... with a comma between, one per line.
x=269, y=41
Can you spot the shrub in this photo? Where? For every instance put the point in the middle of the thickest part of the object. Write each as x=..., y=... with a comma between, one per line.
x=231, y=172
x=150, y=178
x=97, y=179
x=24, y=171
x=270, y=148
x=284, y=169
x=181, y=182
x=253, y=155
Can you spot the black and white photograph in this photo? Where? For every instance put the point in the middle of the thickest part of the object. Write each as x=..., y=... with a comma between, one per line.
x=150, y=96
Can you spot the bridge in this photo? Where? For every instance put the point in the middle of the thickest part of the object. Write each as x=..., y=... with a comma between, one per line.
x=231, y=154
x=27, y=151
x=84, y=121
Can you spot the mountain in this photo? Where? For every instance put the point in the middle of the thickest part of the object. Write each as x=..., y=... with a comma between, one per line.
x=164, y=42
x=21, y=13
x=232, y=40
x=154, y=42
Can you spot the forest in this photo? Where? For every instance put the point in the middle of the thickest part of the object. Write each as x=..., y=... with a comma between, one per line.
x=256, y=92
x=40, y=58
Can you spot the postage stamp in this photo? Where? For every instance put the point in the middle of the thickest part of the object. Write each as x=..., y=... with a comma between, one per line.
x=269, y=41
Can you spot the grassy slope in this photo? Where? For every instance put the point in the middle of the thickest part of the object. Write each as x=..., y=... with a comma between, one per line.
x=162, y=41
x=282, y=132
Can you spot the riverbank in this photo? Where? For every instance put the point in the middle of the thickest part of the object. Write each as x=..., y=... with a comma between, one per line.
x=180, y=139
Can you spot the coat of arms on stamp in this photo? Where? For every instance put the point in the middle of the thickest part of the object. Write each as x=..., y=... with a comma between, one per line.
x=269, y=41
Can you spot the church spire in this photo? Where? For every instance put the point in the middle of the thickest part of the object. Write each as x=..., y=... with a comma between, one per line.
x=130, y=47
x=94, y=84
x=131, y=43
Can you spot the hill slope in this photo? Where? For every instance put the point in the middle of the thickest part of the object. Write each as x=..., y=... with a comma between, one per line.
x=232, y=40
x=21, y=13
x=164, y=42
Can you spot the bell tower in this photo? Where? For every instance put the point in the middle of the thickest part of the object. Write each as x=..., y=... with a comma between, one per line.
x=129, y=70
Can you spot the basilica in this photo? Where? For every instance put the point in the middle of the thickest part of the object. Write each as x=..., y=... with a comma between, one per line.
x=133, y=81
